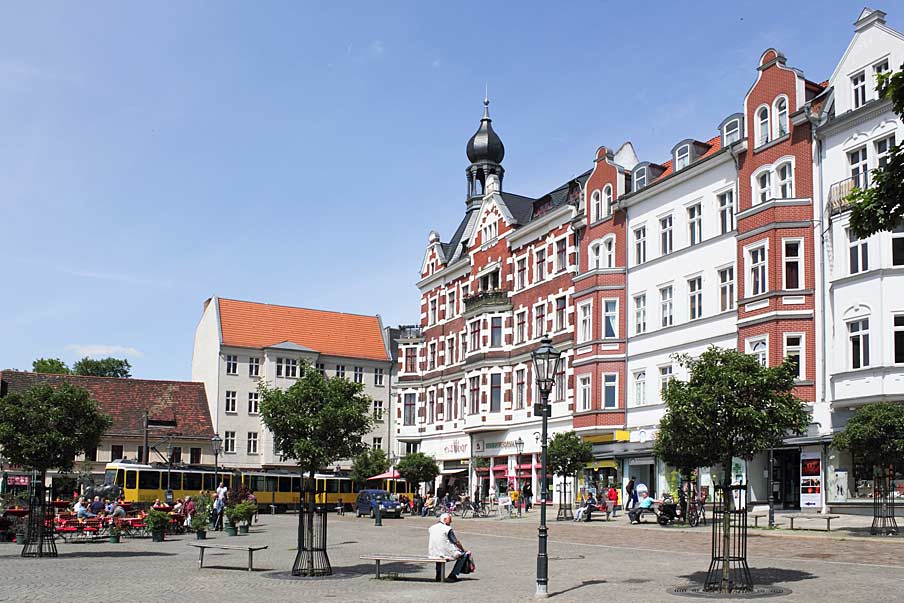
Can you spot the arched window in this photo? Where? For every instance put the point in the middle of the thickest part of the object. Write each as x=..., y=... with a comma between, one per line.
x=597, y=207
x=785, y=180
x=763, y=190
x=640, y=178
x=608, y=259
x=682, y=157
x=732, y=131
x=781, y=116
x=593, y=260
x=607, y=199
x=762, y=122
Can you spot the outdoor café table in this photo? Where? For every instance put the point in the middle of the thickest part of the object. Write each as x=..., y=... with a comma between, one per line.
x=17, y=512
x=176, y=521
x=164, y=508
x=132, y=526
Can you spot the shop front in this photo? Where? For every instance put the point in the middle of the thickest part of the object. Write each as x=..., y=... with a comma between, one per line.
x=506, y=461
x=453, y=456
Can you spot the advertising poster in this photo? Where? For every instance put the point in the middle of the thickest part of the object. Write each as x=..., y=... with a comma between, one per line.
x=810, y=480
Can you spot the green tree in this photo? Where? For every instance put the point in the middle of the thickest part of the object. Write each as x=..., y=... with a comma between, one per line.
x=316, y=421
x=368, y=463
x=50, y=365
x=875, y=432
x=730, y=406
x=105, y=367
x=567, y=453
x=881, y=206
x=46, y=428
x=417, y=468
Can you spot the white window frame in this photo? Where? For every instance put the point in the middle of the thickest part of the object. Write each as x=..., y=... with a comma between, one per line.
x=608, y=204
x=695, y=223
x=433, y=311
x=377, y=443
x=520, y=388
x=230, y=405
x=799, y=260
x=781, y=126
x=751, y=266
x=762, y=128
x=252, y=441
x=726, y=288
x=883, y=155
x=682, y=157
x=732, y=134
x=254, y=400
x=521, y=275
x=596, y=206
x=229, y=442
x=561, y=260
x=666, y=306
x=784, y=185
x=608, y=251
x=862, y=334
x=521, y=337
x=761, y=185
x=897, y=328
x=232, y=364
x=666, y=374
x=585, y=321
x=897, y=239
x=666, y=240
x=450, y=304
x=254, y=366
x=726, y=210
x=640, y=244
x=585, y=389
x=858, y=89
x=540, y=264
x=610, y=382
x=759, y=348
x=545, y=322
x=378, y=376
x=560, y=320
x=358, y=374
x=859, y=169
x=640, y=387
x=610, y=316
x=800, y=349
x=640, y=178
x=695, y=297
x=640, y=313
x=493, y=331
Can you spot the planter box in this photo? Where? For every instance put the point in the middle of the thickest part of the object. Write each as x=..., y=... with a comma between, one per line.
x=243, y=529
x=231, y=531
x=200, y=535
x=113, y=539
x=157, y=536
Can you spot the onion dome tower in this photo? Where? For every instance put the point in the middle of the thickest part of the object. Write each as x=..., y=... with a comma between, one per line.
x=485, y=152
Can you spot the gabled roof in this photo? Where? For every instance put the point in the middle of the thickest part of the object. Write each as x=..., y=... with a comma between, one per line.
x=125, y=400
x=255, y=325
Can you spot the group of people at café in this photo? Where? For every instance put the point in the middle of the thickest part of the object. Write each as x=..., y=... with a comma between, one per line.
x=98, y=508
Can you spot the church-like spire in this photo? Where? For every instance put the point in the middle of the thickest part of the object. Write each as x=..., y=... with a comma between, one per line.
x=485, y=152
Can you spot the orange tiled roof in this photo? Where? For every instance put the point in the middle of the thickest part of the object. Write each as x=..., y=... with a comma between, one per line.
x=255, y=325
x=715, y=145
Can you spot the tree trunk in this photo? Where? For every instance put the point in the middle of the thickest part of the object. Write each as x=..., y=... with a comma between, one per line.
x=725, y=586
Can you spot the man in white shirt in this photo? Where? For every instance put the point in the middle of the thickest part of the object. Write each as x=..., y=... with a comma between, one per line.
x=221, y=491
x=444, y=543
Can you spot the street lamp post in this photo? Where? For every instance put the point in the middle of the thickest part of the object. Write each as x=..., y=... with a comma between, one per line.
x=519, y=448
x=546, y=366
x=215, y=442
x=168, y=495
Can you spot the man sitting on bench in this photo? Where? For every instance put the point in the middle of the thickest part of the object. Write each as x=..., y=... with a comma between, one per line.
x=584, y=511
x=444, y=543
x=644, y=505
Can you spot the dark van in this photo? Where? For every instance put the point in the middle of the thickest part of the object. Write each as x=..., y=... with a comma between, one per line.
x=368, y=500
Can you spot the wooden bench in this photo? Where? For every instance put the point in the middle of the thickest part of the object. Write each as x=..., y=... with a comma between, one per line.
x=828, y=519
x=439, y=561
x=228, y=547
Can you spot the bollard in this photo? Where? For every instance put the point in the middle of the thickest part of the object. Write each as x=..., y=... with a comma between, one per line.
x=378, y=515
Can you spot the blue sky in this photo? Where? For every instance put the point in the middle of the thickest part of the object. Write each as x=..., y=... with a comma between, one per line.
x=155, y=154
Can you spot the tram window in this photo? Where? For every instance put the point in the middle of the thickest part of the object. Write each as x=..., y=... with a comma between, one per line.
x=296, y=484
x=332, y=486
x=130, y=479
x=345, y=486
x=191, y=481
x=175, y=481
x=227, y=480
x=148, y=480
x=271, y=483
x=119, y=477
x=209, y=482
x=285, y=484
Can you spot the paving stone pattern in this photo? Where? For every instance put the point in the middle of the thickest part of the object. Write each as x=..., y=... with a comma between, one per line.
x=599, y=561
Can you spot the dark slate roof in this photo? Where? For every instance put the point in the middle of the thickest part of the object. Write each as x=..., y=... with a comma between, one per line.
x=521, y=208
x=125, y=400
x=454, y=243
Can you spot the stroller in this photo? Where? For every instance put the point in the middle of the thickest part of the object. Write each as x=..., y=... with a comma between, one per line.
x=672, y=512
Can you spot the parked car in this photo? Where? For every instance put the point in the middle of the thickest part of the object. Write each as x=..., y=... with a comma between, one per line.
x=367, y=502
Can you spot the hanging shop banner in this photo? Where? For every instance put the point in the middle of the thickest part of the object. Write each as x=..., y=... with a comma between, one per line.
x=18, y=480
x=810, y=480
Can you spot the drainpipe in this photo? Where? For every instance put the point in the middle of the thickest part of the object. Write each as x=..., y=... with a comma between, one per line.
x=823, y=382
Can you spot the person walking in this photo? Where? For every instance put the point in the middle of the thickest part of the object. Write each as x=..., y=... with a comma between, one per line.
x=612, y=497
x=528, y=494
x=443, y=543
x=630, y=494
x=218, y=505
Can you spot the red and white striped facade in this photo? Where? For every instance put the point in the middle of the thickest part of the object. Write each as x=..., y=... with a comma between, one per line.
x=625, y=266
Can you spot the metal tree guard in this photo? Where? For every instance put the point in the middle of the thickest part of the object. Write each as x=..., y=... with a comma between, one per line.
x=39, y=538
x=884, y=502
x=565, y=510
x=734, y=542
x=312, y=558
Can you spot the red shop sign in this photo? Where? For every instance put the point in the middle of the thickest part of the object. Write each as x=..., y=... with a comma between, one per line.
x=19, y=480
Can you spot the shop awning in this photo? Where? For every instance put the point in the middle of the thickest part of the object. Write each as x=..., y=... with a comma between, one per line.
x=391, y=474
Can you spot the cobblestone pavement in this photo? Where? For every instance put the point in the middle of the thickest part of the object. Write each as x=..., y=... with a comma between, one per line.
x=596, y=561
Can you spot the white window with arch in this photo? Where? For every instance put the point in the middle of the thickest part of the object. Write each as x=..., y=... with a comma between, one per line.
x=762, y=125
x=640, y=178
x=490, y=231
x=732, y=131
x=780, y=109
x=608, y=252
x=762, y=185
x=682, y=157
x=640, y=388
x=596, y=207
x=758, y=347
x=608, y=203
x=784, y=177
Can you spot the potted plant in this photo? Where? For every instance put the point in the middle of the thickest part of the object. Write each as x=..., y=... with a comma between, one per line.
x=114, y=535
x=233, y=518
x=157, y=522
x=248, y=511
x=199, y=524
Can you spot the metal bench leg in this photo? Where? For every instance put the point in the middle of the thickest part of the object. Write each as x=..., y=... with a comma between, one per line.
x=378, y=569
x=441, y=571
x=791, y=519
x=828, y=524
x=201, y=558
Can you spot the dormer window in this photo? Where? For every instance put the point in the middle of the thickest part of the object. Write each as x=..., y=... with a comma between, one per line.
x=732, y=132
x=762, y=123
x=781, y=117
x=682, y=157
x=640, y=178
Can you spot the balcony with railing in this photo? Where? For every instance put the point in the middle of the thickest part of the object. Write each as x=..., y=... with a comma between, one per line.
x=489, y=300
x=410, y=334
x=838, y=193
